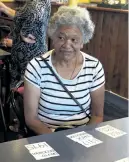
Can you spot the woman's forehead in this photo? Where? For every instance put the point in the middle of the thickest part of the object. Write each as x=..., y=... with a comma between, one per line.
x=69, y=30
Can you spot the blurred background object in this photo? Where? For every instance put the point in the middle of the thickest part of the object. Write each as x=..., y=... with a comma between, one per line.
x=4, y=34
x=117, y=4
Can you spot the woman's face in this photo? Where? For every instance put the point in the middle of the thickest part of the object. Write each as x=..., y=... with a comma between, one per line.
x=67, y=42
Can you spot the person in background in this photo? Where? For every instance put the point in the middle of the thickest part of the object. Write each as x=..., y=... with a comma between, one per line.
x=29, y=34
x=47, y=106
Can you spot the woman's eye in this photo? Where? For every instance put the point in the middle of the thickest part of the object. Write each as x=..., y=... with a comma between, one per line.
x=74, y=40
x=61, y=38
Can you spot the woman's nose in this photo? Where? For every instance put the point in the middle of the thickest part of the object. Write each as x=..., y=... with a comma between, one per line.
x=67, y=43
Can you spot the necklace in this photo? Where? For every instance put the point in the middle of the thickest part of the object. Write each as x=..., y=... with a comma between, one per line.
x=70, y=78
x=73, y=69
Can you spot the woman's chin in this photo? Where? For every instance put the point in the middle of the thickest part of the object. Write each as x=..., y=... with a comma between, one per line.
x=68, y=56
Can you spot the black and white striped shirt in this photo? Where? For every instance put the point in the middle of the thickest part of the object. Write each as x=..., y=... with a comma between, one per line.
x=56, y=108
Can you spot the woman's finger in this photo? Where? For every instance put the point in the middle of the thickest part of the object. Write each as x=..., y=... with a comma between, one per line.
x=31, y=36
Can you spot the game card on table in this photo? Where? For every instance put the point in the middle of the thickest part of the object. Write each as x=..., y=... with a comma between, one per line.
x=84, y=138
x=123, y=160
x=41, y=150
x=111, y=131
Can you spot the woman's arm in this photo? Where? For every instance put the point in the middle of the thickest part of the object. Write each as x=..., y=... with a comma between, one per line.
x=29, y=39
x=7, y=42
x=31, y=100
x=97, y=92
x=97, y=105
x=8, y=11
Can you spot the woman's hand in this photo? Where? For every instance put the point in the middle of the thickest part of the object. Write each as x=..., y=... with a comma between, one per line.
x=2, y=7
x=6, y=42
x=8, y=11
x=29, y=39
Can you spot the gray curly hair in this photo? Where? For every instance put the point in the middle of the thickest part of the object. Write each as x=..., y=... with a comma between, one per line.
x=76, y=16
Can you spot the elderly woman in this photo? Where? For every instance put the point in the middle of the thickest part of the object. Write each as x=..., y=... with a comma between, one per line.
x=29, y=34
x=47, y=105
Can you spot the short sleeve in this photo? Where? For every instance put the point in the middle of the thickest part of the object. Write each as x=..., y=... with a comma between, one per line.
x=98, y=77
x=33, y=73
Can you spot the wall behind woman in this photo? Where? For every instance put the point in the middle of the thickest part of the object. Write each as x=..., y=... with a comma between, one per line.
x=110, y=45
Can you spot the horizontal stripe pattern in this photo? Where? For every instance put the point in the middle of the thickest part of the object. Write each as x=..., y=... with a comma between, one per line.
x=56, y=108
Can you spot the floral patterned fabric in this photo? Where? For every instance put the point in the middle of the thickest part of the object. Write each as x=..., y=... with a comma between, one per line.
x=32, y=18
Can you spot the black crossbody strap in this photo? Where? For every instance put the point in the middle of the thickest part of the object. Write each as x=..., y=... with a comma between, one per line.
x=58, y=79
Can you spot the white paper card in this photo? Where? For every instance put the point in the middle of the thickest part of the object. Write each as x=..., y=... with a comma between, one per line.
x=41, y=150
x=84, y=138
x=123, y=160
x=111, y=131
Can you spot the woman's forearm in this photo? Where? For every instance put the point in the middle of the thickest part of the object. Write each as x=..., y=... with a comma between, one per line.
x=7, y=42
x=38, y=127
x=95, y=119
x=10, y=12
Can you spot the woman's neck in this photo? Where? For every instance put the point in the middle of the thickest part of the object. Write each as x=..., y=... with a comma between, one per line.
x=63, y=62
